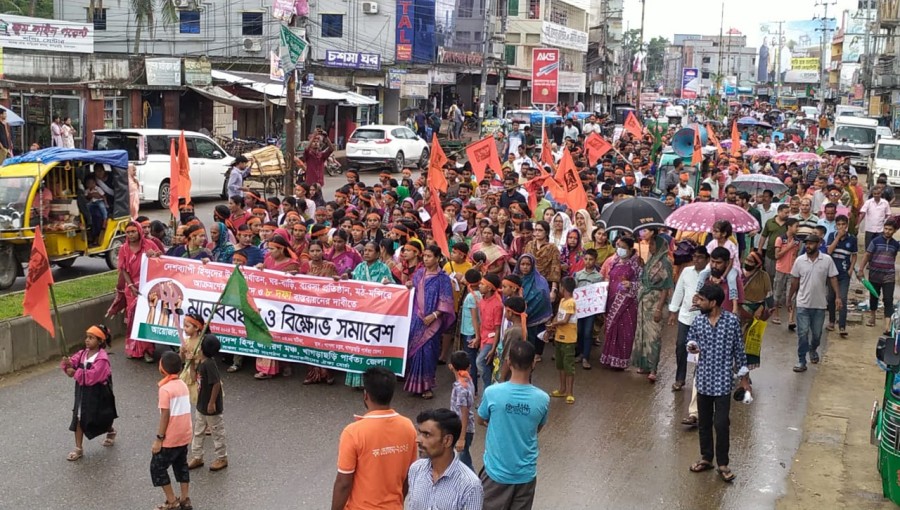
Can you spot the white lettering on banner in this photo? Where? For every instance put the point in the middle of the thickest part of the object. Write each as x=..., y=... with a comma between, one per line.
x=563, y=37
x=571, y=82
x=590, y=299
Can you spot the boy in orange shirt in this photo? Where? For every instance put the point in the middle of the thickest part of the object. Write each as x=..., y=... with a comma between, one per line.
x=173, y=436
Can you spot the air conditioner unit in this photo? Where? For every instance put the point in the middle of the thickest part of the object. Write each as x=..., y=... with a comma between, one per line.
x=252, y=44
x=184, y=4
x=370, y=7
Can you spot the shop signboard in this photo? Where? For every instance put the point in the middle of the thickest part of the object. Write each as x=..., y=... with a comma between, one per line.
x=414, y=86
x=26, y=33
x=164, y=72
x=544, y=76
x=690, y=83
x=353, y=60
x=197, y=72
x=563, y=37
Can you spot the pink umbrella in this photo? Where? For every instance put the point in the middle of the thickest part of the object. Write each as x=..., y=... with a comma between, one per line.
x=763, y=153
x=701, y=216
x=726, y=143
x=797, y=157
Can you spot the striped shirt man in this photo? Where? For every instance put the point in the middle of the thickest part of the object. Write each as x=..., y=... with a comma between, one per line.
x=457, y=489
x=174, y=396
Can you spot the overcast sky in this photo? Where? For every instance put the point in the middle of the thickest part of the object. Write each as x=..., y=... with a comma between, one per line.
x=667, y=17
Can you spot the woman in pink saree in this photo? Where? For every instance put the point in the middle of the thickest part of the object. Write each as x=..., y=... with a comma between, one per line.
x=130, y=255
x=624, y=272
x=496, y=256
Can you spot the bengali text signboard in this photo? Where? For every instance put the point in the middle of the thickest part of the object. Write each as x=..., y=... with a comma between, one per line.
x=352, y=60
x=26, y=33
x=345, y=325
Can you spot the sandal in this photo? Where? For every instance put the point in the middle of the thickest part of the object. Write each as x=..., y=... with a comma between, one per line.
x=173, y=505
x=233, y=368
x=701, y=466
x=843, y=333
x=690, y=421
x=677, y=385
x=651, y=378
x=75, y=454
x=870, y=322
x=776, y=320
x=557, y=394
x=186, y=504
x=570, y=399
x=110, y=438
x=428, y=395
x=792, y=326
x=261, y=376
x=726, y=474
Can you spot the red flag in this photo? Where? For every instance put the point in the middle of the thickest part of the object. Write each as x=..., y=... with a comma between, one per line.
x=174, y=177
x=697, y=156
x=711, y=133
x=532, y=186
x=436, y=163
x=482, y=155
x=735, y=140
x=596, y=147
x=184, y=171
x=546, y=151
x=633, y=125
x=439, y=224
x=37, y=285
x=570, y=181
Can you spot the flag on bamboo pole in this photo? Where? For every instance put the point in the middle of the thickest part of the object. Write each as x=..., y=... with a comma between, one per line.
x=711, y=133
x=633, y=125
x=568, y=178
x=439, y=224
x=236, y=294
x=546, y=151
x=436, y=162
x=532, y=186
x=735, y=140
x=697, y=155
x=483, y=155
x=596, y=147
x=174, y=177
x=37, y=285
x=184, y=171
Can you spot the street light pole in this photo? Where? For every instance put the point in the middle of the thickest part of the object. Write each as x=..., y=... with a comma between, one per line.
x=640, y=70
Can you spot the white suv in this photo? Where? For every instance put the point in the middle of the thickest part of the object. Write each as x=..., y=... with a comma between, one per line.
x=379, y=146
x=148, y=149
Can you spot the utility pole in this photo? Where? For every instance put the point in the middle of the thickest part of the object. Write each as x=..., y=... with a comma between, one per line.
x=719, y=61
x=640, y=78
x=778, y=60
x=290, y=124
x=823, y=79
x=867, y=69
x=485, y=56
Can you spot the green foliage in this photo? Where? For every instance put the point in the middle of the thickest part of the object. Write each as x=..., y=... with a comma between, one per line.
x=67, y=292
x=42, y=8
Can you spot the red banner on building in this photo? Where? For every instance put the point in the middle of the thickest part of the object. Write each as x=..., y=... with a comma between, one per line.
x=544, y=76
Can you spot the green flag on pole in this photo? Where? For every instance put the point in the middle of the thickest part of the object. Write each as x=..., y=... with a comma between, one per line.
x=236, y=294
x=293, y=48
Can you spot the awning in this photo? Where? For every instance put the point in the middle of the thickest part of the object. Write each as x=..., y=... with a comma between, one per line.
x=516, y=75
x=220, y=95
x=274, y=90
x=354, y=99
x=368, y=81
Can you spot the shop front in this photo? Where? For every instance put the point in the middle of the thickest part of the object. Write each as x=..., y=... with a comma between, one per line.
x=39, y=108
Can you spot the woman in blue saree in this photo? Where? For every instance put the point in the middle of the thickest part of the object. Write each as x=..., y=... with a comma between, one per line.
x=433, y=314
x=536, y=292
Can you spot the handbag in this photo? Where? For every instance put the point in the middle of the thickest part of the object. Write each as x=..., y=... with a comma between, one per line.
x=753, y=340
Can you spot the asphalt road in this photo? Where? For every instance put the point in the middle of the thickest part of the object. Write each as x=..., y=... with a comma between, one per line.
x=620, y=446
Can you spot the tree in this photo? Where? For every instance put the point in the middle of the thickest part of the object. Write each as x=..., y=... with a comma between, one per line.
x=656, y=59
x=36, y=8
x=145, y=13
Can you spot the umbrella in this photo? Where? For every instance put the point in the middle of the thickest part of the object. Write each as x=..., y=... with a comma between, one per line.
x=764, y=125
x=11, y=118
x=754, y=183
x=747, y=121
x=842, y=150
x=632, y=214
x=701, y=216
x=726, y=143
x=806, y=121
x=763, y=153
x=797, y=157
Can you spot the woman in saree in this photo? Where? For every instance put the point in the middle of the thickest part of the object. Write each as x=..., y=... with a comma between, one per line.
x=433, y=314
x=371, y=269
x=758, y=299
x=496, y=255
x=560, y=225
x=195, y=249
x=623, y=272
x=411, y=260
x=546, y=256
x=584, y=224
x=571, y=258
x=344, y=258
x=536, y=292
x=281, y=258
x=178, y=242
x=222, y=250
x=656, y=284
x=130, y=255
x=318, y=266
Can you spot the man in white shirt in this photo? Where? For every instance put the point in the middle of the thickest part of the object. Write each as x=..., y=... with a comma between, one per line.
x=570, y=131
x=875, y=211
x=681, y=307
x=590, y=126
x=521, y=157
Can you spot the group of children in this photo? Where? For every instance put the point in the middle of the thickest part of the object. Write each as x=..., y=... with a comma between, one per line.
x=190, y=379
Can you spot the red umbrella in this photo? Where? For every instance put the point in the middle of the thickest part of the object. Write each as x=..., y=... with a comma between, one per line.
x=701, y=216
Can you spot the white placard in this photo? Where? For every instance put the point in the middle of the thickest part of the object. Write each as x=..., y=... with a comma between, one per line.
x=590, y=299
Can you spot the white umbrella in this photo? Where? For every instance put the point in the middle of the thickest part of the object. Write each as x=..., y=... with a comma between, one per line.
x=11, y=118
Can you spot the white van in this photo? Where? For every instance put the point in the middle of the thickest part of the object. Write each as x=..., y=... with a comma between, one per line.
x=886, y=160
x=148, y=149
x=860, y=134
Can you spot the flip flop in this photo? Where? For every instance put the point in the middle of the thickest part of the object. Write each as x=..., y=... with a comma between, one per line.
x=726, y=474
x=570, y=399
x=701, y=466
x=557, y=394
x=776, y=320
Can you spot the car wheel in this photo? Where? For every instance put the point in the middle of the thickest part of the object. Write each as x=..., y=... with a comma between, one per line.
x=112, y=256
x=399, y=162
x=163, y=195
x=9, y=267
x=423, y=159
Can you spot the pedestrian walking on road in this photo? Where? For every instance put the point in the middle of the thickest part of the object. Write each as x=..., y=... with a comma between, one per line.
x=209, y=407
x=716, y=336
x=681, y=307
x=812, y=273
x=842, y=246
x=514, y=412
x=173, y=436
x=375, y=451
x=462, y=402
x=440, y=479
x=95, y=404
x=880, y=257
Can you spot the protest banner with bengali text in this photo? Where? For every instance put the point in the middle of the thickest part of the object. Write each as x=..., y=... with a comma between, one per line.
x=342, y=325
x=590, y=299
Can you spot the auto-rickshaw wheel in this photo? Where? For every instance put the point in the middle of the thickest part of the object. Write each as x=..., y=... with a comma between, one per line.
x=65, y=263
x=112, y=256
x=9, y=267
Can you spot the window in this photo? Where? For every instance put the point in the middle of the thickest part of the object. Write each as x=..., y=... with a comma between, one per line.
x=206, y=149
x=510, y=55
x=513, y=7
x=332, y=25
x=190, y=22
x=99, y=18
x=252, y=23
x=704, y=75
x=534, y=9
x=114, y=113
x=706, y=60
x=465, y=8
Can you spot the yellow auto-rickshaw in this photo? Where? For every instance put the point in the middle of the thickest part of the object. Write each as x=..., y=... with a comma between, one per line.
x=46, y=189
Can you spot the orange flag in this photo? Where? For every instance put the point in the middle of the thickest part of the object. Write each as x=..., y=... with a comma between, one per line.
x=174, y=177
x=633, y=125
x=532, y=186
x=546, y=151
x=596, y=147
x=439, y=224
x=711, y=133
x=37, y=285
x=568, y=178
x=697, y=156
x=735, y=140
x=184, y=171
x=436, y=163
x=483, y=155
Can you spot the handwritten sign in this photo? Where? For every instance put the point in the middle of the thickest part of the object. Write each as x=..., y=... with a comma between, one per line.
x=590, y=299
x=345, y=325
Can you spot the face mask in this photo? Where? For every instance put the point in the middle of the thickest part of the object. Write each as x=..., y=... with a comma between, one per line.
x=621, y=252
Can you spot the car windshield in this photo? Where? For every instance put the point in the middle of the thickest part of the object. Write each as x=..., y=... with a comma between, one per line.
x=891, y=152
x=855, y=134
x=118, y=141
x=14, y=193
x=368, y=134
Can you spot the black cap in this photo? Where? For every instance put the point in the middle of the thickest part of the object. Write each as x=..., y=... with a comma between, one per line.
x=813, y=238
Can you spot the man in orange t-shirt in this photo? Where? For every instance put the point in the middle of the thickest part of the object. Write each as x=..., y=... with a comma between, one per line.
x=375, y=451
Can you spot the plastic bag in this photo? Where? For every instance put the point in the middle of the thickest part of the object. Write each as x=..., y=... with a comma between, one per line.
x=753, y=341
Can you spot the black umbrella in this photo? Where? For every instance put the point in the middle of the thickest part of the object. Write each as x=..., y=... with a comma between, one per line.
x=842, y=150
x=631, y=214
